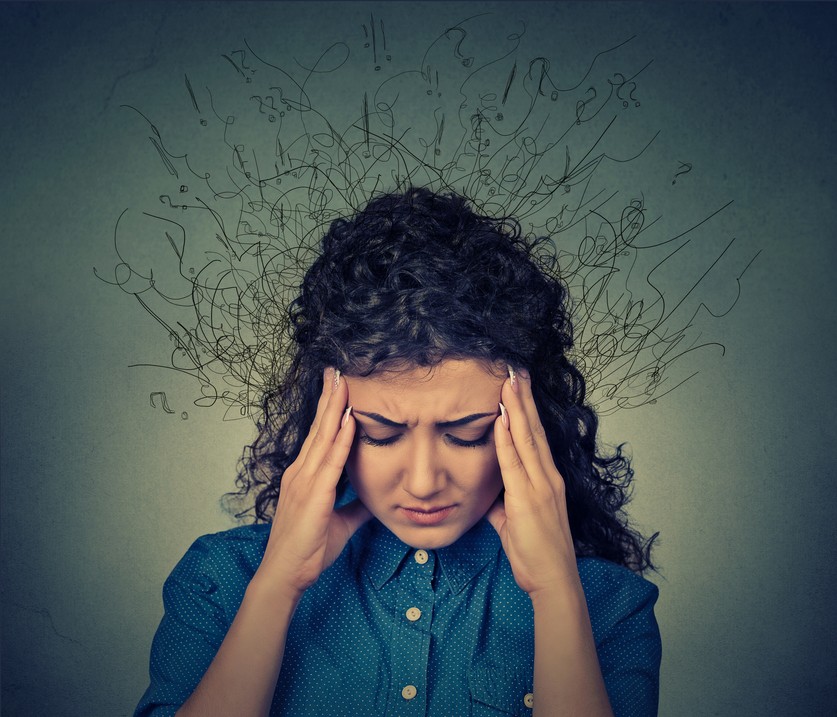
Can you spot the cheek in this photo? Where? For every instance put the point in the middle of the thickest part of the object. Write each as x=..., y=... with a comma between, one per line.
x=370, y=469
x=483, y=472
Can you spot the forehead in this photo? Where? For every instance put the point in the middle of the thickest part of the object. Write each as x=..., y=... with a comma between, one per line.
x=418, y=394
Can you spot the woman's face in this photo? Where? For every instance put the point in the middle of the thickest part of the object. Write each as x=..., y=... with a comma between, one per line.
x=423, y=461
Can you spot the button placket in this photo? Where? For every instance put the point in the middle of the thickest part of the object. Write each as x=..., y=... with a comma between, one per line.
x=411, y=636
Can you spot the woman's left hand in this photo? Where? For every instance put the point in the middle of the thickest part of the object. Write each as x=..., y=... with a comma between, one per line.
x=531, y=517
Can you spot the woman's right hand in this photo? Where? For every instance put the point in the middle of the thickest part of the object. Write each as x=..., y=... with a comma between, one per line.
x=306, y=537
x=307, y=533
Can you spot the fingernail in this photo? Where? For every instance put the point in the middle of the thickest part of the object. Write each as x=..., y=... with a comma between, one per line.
x=346, y=414
x=328, y=376
x=336, y=384
x=504, y=416
x=513, y=379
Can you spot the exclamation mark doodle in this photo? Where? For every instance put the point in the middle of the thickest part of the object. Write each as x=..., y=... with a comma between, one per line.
x=366, y=152
x=438, y=150
x=374, y=43
x=194, y=99
x=509, y=83
x=384, y=36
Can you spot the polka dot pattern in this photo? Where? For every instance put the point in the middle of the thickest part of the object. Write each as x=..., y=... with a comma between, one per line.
x=389, y=630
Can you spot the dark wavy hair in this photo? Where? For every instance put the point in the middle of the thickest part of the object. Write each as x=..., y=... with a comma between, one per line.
x=418, y=277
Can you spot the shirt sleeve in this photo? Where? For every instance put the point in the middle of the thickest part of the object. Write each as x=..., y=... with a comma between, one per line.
x=196, y=601
x=621, y=606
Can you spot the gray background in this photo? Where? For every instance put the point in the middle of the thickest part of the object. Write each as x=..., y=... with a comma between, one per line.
x=101, y=494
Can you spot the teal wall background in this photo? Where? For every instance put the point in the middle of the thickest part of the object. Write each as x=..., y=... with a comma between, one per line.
x=101, y=493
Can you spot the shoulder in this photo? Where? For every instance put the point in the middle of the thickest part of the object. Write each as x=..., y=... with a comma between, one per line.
x=603, y=580
x=227, y=557
x=245, y=539
x=621, y=607
x=615, y=593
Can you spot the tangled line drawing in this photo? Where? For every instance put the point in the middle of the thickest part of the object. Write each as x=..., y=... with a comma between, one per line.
x=275, y=152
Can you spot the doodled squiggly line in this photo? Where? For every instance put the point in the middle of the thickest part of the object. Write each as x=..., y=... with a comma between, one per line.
x=164, y=404
x=684, y=168
x=284, y=168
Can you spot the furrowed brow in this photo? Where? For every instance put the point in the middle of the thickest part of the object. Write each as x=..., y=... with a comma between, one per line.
x=381, y=419
x=442, y=424
x=464, y=420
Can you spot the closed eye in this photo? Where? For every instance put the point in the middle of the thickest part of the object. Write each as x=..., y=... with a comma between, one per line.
x=452, y=440
x=481, y=441
x=368, y=440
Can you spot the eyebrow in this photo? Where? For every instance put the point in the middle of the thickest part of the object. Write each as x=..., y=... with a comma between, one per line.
x=441, y=424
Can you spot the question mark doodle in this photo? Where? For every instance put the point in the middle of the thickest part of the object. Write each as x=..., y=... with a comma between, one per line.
x=688, y=168
x=163, y=402
x=249, y=270
x=457, y=51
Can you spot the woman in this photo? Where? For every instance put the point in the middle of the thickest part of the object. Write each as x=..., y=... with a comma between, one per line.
x=447, y=539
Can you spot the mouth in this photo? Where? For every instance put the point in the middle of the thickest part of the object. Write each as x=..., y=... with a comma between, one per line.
x=430, y=516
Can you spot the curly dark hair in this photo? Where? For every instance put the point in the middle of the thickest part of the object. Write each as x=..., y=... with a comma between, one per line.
x=418, y=277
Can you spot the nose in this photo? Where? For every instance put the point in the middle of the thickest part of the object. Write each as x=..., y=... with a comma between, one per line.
x=424, y=476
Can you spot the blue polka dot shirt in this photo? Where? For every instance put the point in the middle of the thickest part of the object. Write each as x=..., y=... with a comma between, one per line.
x=391, y=630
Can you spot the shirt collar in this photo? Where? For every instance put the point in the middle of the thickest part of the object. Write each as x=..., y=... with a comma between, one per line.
x=463, y=560
x=380, y=553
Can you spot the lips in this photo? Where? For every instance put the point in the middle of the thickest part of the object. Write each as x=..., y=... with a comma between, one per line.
x=426, y=516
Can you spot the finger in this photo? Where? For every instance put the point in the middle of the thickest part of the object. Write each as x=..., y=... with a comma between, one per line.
x=328, y=424
x=524, y=386
x=328, y=420
x=330, y=468
x=527, y=444
x=527, y=403
x=515, y=477
x=328, y=382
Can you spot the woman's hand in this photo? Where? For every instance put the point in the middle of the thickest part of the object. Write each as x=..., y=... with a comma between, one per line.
x=531, y=517
x=307, y=533
x=306, y=537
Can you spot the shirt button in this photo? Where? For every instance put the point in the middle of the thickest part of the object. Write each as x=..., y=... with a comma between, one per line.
x=413, y=614
x=421, y=557
x=409, y=692
x=529, y=699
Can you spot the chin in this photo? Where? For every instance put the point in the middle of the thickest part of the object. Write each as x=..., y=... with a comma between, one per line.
x=428, y=537
x=428, y=540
